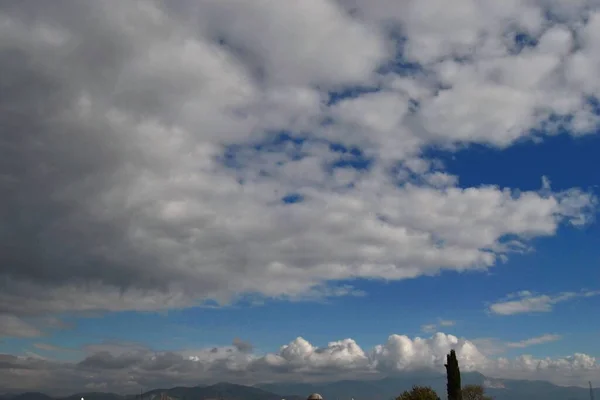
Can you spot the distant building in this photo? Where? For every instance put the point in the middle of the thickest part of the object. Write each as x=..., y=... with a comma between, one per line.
x=315, y=396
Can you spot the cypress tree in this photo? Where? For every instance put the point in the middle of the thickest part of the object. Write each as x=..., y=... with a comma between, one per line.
x=453, y=377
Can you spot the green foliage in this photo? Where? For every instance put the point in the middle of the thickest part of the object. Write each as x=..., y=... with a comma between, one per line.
x=419, y=393
x=453, y=377
x=474, y=392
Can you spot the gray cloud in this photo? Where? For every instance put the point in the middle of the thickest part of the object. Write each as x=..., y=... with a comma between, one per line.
x=105, y=360
x=12, y=326
x=242, y=346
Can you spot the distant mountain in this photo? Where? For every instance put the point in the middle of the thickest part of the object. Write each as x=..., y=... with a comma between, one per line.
x=390, y=387
x=519, y=389
x=381, y=389
x=31, y=396
x=91, y=396
x=223, y=391
x=220, y=391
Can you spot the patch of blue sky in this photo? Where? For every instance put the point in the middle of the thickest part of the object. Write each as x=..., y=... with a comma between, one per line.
x=349, y=157
x=400, y=64
x=594, y=103
x=237, y=156
x=523, y=40
x=400, y=174
x=292, y=198
x=566, y=160
x=350, y=92
x=241, y=156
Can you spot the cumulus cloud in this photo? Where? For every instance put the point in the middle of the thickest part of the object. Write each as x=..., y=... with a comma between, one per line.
x=529, y=302
x=126, y=366
x=148, y=145
x=401, y=353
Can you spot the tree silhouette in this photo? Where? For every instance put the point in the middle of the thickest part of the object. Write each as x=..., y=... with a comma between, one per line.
x=474, y=392
x=419, y=393
x=453, y=377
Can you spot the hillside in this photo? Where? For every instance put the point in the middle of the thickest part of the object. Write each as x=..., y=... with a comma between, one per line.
x=381, y=389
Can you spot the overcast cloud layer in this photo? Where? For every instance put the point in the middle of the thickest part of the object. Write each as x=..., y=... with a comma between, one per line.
x=134, y=168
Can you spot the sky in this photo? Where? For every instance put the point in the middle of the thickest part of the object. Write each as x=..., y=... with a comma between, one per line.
x=268, y=191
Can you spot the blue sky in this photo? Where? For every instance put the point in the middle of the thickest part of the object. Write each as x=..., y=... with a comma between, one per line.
x=264, y=191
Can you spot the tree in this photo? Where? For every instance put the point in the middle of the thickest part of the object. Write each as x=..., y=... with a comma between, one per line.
x=453, y=377
x=419, y=393
x=474, y=392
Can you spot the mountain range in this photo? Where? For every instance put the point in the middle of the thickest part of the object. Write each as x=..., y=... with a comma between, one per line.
x=390, y=387
x=381, y=389
x=219, y=391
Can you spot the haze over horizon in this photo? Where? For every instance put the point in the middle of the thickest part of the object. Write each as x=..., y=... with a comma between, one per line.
x=253, y=191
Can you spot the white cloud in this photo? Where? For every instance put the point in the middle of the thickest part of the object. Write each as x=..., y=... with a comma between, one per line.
x=494, y=346
x=528, y=302
x=108, y=363
x=402, y=353
x=430, y=328
x=310, y=42
x=12, y=326
x=447, y=322
x=490, y=346
x=51, y=348
x=534, y=341
x=120, y=175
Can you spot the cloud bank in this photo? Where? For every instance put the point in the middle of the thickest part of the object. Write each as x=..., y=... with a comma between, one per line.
x=124, y=367
x=159, y=156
